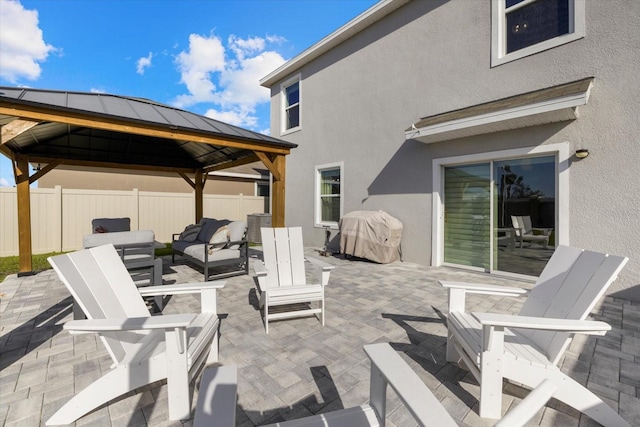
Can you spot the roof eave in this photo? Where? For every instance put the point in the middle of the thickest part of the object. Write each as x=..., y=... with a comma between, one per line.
x=551, y=110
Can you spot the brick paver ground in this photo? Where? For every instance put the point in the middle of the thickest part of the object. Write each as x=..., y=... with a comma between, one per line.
x=300, y=367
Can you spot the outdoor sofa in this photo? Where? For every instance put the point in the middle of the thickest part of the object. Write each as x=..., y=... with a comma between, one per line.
x=214, y=244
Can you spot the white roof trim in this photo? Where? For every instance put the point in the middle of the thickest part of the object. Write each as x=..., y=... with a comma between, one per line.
x=359, y=23
x=537, y=113
x=237, y=175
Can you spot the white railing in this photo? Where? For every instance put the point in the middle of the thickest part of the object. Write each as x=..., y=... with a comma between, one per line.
x=61, y=217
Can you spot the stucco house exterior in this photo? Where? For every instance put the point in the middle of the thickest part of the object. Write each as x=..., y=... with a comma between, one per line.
x=455, y=115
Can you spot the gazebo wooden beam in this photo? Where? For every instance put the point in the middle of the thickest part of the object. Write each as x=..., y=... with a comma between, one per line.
x=232, y=164
x=109, y=165
x=115, y=124
x=49, y=167
x=277, y=166
x=21, y=175
x=278, y=192
x=15, y=128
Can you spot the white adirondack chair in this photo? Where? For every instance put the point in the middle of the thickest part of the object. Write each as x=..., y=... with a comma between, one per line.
x=526, y=348
x=144, y=349
x=282, y=276
x=217, y=398
x=525, y=232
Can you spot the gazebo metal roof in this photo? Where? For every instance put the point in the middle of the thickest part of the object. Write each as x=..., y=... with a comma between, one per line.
x=182, y=140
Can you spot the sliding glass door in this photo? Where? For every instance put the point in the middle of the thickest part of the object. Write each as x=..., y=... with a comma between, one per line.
x=501, y=215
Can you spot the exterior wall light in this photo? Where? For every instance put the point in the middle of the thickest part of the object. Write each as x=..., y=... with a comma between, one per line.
x=582, y=153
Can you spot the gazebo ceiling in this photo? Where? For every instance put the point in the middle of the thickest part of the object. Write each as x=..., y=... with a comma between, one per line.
x=117, y=131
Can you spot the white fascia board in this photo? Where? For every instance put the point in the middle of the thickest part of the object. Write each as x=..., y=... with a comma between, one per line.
x=351, y=28
x=236, y=175
x=439, y=131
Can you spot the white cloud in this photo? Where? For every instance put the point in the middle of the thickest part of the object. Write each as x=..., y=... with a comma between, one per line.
x=227, y=77
x=5, y=183
x=96, y=90
x=143, y=63
x=205, y=56
x=237, y=117
x=22, y=47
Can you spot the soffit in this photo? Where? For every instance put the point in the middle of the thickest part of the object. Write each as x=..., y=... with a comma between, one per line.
x=91, y=128
x=549, y=105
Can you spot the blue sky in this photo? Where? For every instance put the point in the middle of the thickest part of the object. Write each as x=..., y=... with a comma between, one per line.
x=205, y=56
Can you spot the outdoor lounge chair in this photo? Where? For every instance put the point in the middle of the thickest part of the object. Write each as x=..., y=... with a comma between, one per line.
x=526, y=348
x=282, y=277
x=525, y=232
x=144, y=349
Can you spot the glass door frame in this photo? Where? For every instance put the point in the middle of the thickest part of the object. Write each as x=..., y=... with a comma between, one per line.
x=562, y=155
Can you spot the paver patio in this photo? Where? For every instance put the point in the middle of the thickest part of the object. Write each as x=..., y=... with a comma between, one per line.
x=300, y=367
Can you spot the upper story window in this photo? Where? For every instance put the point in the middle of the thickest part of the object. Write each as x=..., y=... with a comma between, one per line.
x=329, y=195
x=291, y=105
x=524, y=27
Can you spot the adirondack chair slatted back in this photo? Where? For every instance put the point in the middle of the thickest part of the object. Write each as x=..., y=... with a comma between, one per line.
x=569, y=287
x=283, y=252
x=104, y=290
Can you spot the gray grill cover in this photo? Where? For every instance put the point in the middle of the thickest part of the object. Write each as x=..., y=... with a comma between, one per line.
x=373, y=235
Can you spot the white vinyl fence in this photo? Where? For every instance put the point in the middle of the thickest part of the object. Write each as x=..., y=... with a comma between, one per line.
x=61, y=217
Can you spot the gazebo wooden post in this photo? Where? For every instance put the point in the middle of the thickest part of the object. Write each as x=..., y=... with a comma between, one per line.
x=199, y=195
x=278, y=196
x=21, y=175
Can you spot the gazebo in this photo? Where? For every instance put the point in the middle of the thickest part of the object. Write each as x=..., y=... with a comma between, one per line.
x=55, y=128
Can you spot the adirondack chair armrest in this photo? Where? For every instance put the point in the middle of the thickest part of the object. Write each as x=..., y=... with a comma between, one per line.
x=588, y=327
x=207, y=291
x=459, y=290
x=169, y=321
x=543, y=231
x=181, y=288
x=260, y=269
x=325, y=266
x=326, y=269
x=482, y=288
x=388, y=368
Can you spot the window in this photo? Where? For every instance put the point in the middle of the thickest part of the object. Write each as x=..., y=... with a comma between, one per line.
x=291, y=105
x=524, y=27
x=329, y=195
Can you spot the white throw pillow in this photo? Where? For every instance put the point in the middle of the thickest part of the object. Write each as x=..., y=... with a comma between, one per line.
x=219, y=239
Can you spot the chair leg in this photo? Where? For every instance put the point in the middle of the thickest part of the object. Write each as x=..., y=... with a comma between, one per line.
x=157, y=281
x=214, y=353
x=266, y=316
x=452, y=354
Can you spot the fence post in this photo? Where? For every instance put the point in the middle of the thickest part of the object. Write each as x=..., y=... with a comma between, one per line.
x=57, y=212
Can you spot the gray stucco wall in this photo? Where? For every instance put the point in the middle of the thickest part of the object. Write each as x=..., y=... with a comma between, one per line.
x=430, y=57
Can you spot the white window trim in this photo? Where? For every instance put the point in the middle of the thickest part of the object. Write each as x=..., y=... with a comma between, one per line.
x=283, y=105
x=560, y=150
x=498, y=42
x=317, y=208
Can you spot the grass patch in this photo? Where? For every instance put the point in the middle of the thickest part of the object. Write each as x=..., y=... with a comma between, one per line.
x=11, y=264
